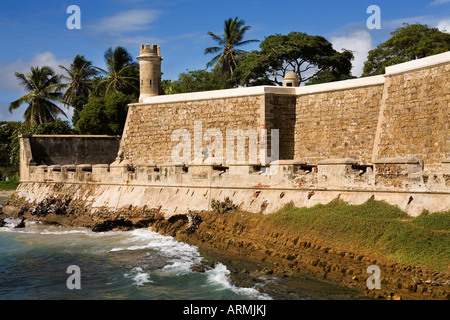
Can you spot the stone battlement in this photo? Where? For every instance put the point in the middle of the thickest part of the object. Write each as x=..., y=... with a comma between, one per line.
x=175, y=188
x=155, y=50
x=390, y=175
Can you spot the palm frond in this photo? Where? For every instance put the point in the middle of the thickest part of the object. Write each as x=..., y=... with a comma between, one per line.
x=217, y=38
x=245, y=42
x=212, y=50
x=24, y=81
x=16, y=104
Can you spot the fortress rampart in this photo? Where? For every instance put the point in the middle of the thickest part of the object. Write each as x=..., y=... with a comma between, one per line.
x=384, y=136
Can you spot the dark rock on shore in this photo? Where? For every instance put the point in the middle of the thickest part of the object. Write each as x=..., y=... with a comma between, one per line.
x=113, y=224
x=50, y=205
x=120, y=224
x=21, y=224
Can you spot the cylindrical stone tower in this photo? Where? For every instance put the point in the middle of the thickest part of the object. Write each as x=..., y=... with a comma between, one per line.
x=150, y=71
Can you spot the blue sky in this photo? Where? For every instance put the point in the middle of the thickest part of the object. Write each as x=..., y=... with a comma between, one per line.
x=35, y=33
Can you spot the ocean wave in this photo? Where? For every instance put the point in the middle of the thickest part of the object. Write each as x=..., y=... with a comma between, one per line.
x=180, y=256
x=138, y=276
x=180, y=259
x=220, y=275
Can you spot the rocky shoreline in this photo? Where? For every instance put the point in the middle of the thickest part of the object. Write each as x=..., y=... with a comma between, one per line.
x=255, y=251
x=243, y=241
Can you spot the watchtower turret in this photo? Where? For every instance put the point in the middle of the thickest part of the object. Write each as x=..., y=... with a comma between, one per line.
x=150, y=71
x=291, y=80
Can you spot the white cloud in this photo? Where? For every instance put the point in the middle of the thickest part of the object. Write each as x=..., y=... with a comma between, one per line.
x=444, y=25
x=49, y=59
x=438, y=2
x=8, y=82
x=360, y=43
x=126, y=21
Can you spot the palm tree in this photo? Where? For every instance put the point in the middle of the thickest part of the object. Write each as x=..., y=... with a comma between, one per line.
x=44, y=87
x=80, y=75
x=122, y=75
x=234, y=33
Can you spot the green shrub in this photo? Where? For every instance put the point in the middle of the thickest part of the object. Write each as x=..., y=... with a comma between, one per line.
x=8, y=172
x=11, y=184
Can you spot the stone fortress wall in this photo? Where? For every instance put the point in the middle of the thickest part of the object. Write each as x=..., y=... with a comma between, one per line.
x=415, y=115
x=384, y=136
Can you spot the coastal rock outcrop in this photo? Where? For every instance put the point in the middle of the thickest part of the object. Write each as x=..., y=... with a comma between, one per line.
x=113, y=224
x=10, y=210
x=57, y=206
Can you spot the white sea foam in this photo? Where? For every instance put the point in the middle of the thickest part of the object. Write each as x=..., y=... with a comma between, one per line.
x=10, y=223
x=138, y=276
x=180, y=256
x=220, y=274
x=56, y=232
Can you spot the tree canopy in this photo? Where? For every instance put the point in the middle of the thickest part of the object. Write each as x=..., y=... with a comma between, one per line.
x=7, y=131
x=407, y=43
x=104, y=115
x=308, y=56
x=197, y=80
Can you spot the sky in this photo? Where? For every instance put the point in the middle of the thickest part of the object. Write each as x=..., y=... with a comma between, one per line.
x=35, y=33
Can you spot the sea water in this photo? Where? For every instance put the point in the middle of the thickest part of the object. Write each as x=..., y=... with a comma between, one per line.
x=38, y=262
x=139, y=264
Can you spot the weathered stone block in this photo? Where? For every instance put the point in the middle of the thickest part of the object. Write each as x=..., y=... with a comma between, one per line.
x=398, y=166
x=446, y=166
x=83, y=172
x=100, y=172
x=399, y=172
x=68, y=172
x=42, y=173
x=337, y=172
x=54, y=173
x=144, y=172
